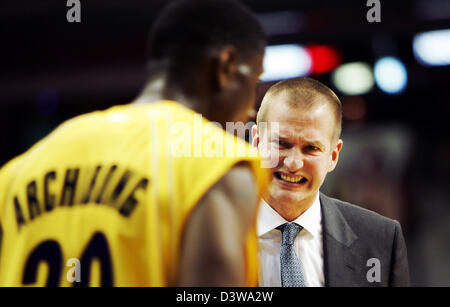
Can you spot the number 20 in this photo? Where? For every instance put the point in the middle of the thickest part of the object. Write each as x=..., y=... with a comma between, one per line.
x=50, y=251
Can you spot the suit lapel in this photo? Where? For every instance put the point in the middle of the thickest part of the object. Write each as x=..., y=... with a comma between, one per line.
x=340, y=260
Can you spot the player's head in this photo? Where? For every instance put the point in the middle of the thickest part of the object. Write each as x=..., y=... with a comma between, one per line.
x=212, y=48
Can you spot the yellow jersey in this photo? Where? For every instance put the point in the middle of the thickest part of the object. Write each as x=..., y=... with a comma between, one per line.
x=104, y=198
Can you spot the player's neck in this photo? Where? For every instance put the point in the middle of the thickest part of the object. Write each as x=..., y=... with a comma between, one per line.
x=159, y=88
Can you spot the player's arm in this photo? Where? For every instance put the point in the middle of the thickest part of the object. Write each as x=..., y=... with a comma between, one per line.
x=212, y=252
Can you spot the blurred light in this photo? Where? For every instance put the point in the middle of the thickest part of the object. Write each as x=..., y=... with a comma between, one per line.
x=47, y=102
x=285, y=61
x=323, y=58
x=353, y=78
x=433, y=47
x=390, y=75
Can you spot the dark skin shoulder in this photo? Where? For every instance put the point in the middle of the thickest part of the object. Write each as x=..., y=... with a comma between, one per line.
x=218, y=227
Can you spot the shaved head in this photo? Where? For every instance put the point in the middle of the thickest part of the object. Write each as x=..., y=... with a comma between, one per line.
x=304, y=93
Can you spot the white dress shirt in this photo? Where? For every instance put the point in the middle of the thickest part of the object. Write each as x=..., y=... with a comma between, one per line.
x=308, y=245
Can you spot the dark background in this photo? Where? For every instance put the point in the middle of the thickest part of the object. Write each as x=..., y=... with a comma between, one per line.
x=396, y=154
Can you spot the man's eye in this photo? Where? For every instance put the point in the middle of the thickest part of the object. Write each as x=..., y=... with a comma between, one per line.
x=312, y=148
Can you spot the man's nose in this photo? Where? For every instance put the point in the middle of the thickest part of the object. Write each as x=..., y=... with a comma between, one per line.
x=294, y=160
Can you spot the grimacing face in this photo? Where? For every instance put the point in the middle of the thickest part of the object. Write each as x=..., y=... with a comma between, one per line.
x=305, y=153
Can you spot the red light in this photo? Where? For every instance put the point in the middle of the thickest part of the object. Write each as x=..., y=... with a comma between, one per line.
x=323, y=58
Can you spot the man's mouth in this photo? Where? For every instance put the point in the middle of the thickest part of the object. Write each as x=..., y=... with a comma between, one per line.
x=290, y=179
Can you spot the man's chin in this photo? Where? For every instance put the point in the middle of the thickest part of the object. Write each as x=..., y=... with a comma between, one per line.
x=289, y=208
x=288, y=197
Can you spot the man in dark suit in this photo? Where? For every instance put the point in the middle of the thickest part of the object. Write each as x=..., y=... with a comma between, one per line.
x=307, y=238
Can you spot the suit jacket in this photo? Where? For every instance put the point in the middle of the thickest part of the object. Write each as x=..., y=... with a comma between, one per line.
x=361, y=247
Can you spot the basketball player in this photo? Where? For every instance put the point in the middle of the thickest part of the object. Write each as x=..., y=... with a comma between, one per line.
x=106, y=199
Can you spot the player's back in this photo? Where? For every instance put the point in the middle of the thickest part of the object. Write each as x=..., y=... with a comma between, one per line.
x=105, y=196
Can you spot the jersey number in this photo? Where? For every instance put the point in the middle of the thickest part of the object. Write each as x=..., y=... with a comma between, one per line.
x=50, y=251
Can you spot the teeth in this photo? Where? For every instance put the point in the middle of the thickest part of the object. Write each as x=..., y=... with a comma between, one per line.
x=291, y=179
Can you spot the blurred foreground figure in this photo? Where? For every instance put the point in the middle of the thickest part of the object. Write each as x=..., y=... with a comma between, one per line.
x=150, y=193
x=307, y=238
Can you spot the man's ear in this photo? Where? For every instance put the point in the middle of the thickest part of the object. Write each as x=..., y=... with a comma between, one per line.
x=335, y=155
x=255, y=136
x=226, y=67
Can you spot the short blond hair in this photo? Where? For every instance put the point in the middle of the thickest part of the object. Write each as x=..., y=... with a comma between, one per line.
x=306, y=91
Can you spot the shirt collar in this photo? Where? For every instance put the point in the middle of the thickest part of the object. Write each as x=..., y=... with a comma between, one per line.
x=269, y=219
